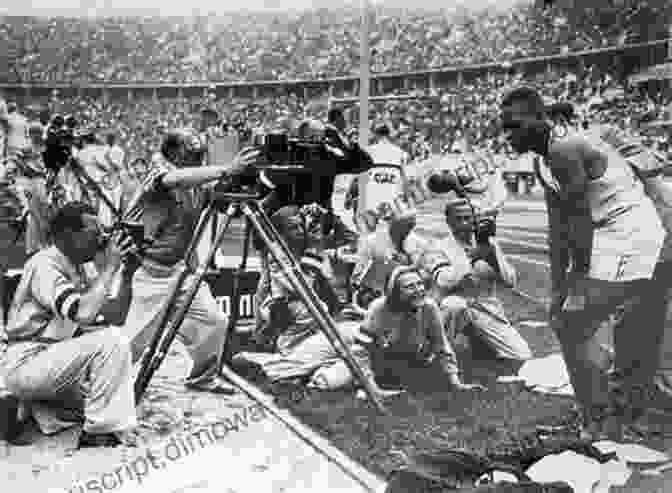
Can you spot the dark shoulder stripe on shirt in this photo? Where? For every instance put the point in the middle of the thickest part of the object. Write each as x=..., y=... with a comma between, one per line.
x=72, y=311
x=60, y=300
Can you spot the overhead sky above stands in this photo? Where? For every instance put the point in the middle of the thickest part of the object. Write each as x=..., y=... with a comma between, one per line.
x=202, y=7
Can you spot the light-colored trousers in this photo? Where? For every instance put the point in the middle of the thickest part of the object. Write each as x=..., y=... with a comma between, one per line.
x=203, y=331
x=486, y=320
x=90, y=375
x=33, y=194
x=316, y=357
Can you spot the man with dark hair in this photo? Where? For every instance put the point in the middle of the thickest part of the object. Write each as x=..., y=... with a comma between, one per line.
x=602, y=223
x=62, y=355
x=337, y=118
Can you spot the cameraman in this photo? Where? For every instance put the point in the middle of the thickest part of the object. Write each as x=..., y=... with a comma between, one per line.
x=316, y=185
x=61, y=353
x=471, y=308
x=439, y=261
x=104, y=172
x=169, y=204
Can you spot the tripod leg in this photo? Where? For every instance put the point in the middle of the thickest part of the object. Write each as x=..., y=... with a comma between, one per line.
x=167, y=335
x=283, y=255
x=167, y=308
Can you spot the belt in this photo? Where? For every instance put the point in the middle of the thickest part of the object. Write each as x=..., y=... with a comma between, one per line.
x=37, y=339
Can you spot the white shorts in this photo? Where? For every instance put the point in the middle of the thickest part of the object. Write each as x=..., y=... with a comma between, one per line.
x=628, y=248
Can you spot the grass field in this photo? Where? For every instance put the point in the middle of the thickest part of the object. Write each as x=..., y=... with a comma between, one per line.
x=448, y=419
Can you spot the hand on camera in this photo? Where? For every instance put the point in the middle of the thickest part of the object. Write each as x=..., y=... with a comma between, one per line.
x=244, y=160
x=121, y=249
x=336, y=141
x=577, y=292
x=558, y=295
x=113, y=253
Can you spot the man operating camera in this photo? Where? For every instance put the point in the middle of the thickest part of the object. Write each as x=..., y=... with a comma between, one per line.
x=169, y=204
x=471, y=308
x=62, y=355
x=323, y=153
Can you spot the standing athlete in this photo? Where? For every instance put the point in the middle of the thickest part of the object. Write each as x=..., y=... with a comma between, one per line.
x=605, y=238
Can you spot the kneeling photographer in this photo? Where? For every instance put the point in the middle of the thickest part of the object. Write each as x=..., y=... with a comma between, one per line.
x=62, y=355
x=469, y=303
x=168, y=205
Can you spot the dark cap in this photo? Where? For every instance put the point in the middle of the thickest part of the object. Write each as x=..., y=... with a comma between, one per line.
x=381, y=129
x=529, y=95
x=207, y=110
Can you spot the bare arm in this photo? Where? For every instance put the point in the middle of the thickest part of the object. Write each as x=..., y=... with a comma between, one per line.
x=506, y=270
x=570, y=165
x=438, y=340
x=93, y=299
x=558, y=235
x=364, y=257
x=194, y=176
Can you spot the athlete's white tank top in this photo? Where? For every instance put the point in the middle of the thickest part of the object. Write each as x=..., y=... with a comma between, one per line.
x=618, y=190
x=17, y=134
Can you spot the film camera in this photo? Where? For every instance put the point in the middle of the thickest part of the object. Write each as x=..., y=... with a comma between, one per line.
x=484, y=226
x=135, y=230
x=283, y=159
x=62, y=137
x=484, y=229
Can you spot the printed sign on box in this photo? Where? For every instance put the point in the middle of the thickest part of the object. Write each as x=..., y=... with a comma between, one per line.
x=222, y=289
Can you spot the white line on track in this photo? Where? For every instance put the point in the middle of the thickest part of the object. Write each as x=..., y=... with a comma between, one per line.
x=537, y=246
x=525, y=260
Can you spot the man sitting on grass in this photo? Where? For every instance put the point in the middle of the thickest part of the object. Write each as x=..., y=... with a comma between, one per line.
x=299, y=351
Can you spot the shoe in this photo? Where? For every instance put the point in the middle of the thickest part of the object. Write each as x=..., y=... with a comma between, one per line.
x=9, y=416
x=528, y=449
x=87, y=440
x=214, y=385
x=524, y=487
x=250, y=370
x=26, y=433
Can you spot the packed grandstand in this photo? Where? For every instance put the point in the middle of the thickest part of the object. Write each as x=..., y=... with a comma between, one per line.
x=321, y=45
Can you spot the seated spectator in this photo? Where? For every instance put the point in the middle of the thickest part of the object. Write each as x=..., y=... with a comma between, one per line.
x=402, y=341
x=300, y=351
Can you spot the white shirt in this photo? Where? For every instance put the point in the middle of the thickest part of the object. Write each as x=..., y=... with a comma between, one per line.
x=116, y=155
x=385, y=152
x=17, y=134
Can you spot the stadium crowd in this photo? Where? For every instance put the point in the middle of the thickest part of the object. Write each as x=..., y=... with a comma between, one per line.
x=452, y=119
x=303, y=45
